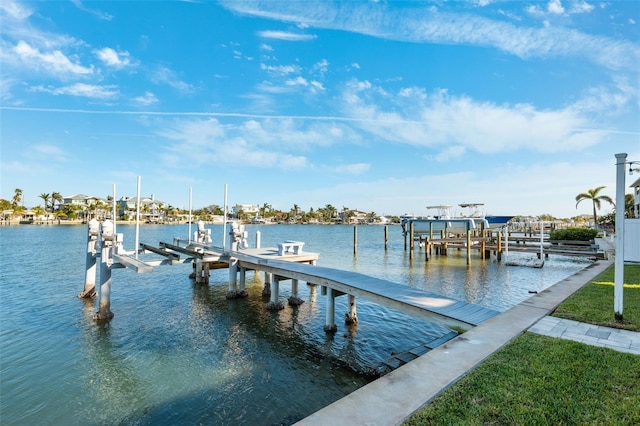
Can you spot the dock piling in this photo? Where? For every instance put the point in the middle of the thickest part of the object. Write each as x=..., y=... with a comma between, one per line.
x=294, y=299
x=91, y=267
x=351, y=317
x=330, y=321
x=104, y=296
x=275, y=304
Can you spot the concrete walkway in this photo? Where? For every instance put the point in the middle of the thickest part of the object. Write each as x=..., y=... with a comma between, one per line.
x=612, y=338
x=395, y=397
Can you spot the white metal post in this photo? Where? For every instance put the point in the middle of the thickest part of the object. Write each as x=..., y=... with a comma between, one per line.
x=137, y=220
x=190, y=218
x=618, y=288
x=542, y=241
x=115, y=219
x=224, y=222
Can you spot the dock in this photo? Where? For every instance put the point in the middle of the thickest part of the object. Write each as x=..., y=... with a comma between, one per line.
x=499, y=241
x=287, y=262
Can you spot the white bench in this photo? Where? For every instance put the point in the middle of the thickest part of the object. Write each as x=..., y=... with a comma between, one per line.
x=294, y=247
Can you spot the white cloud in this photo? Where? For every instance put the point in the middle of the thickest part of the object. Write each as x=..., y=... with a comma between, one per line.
x=83, y=90
x=279, y=143
x=14, y=10
x=298, y=81
x=440, y=120
x=145, y=100
x=95, y=12
x=555, y=7
x=164, y=75
x=113, y=58
x=424, y=25
x=581, y=7
x=287, y=36
x=54, y=62
x=280, y=70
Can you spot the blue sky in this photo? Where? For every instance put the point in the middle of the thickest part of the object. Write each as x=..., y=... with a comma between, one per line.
x=373, y=105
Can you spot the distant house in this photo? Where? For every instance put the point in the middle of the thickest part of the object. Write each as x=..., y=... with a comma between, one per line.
x=249, y=209
x=81, y=200
x=354, y=216
x=151, y=210
x=90, y=206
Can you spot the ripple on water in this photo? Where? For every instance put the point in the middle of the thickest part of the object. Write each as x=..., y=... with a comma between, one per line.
x=180, y=353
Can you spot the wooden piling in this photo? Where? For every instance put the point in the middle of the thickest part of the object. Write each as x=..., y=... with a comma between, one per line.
x=355, y=240
x=386, y=237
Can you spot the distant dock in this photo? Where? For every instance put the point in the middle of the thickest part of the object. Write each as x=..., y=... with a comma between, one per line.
x=499, y=242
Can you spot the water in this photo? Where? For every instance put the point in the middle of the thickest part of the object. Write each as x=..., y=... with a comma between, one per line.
x=177, y=352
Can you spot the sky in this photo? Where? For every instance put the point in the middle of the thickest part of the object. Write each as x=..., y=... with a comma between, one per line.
x=381, y=106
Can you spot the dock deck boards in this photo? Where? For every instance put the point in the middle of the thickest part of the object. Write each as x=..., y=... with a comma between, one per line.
x=440, y=309
x=443, y=310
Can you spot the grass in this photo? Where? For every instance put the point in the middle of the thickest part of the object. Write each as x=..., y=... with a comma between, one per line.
x=593, y=303
x=542, y=380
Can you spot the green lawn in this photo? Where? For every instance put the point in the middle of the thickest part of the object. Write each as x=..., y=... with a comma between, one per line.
x=593, y=303
x=540, y=380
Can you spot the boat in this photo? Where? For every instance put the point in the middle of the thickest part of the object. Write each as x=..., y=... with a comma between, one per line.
x=443, y=221
x=492, y=221
x=498, y=221
x=258, y=220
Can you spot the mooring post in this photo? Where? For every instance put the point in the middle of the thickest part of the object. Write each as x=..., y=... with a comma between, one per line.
x=294, y=299
x=258, y=238
x=330, y=321
x=411, y=240
x=91, y=267
x=482, y=243
x=386, y=237
x=242, y=291
x=104, y=296
x=233, y=278
x=468, y=244
x=355, y=240
x=268, y=276
x=199, y=269
x=351, y=317
x=275, y=304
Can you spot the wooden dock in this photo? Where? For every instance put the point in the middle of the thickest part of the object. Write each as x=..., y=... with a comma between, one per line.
x=499, y=243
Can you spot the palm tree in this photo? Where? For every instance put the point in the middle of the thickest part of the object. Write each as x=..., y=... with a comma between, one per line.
x=264, y=209
x=330, y=211
x=45, y=197
x=596, y=199
x=55, y=196
x=629, y=200
x=17, y=197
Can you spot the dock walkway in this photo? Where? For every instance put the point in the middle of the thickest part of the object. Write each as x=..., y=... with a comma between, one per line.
x=452, y=313
x=431, y=306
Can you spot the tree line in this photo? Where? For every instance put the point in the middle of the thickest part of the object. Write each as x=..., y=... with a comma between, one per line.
x=53, y=204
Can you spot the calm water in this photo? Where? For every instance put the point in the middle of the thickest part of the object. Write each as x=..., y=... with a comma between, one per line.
x=180, y=353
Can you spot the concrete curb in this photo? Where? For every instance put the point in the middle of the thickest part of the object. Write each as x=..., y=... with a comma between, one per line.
x=395, y=397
